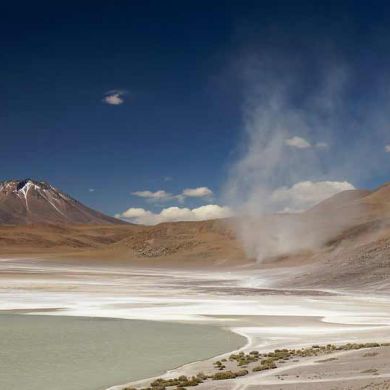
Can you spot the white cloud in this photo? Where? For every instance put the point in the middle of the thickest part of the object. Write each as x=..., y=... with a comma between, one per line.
x=91, y=190
x=133, y=213
x=199, y=192
x=114, y=98
x=306, y=194
x=159, y=195
x=298, y=197
x=298, y=142
x=174, y=214
x=387, y=148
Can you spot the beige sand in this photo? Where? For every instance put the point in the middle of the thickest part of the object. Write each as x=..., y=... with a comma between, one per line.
x=363, y=369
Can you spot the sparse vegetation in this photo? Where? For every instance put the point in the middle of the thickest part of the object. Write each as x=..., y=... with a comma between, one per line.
x=180, y=382
x=223, y=375
x=266, y=361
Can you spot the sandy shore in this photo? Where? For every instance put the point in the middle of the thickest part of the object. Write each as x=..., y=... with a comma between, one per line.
x=365, y=368
x=241, y=300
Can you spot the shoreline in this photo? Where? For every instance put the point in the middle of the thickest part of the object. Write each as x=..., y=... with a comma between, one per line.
x=250, y=371
x=95, y=353
x=193, y=368
x=188, y=366
x=241, y=302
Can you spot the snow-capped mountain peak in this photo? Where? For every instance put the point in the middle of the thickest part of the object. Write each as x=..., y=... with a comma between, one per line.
x=30, y=201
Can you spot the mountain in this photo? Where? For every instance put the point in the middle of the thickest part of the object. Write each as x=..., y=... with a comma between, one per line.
x=343, y=241
x=339, y=201
x=33, y=202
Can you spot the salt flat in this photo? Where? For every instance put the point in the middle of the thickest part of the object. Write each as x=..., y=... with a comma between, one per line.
x=242, y=300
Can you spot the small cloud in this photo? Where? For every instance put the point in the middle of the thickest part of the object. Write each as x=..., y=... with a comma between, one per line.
x=162, y=196
x=134, y=213
x=159, y=195
x=174, y=214
x=167, y=178
x=91, y=189
x=114, y=97
x=298, y=142
x=387, y=148
x=199, y=192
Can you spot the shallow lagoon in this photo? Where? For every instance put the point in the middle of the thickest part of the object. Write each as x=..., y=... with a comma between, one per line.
x=103, y=354
x=80, y=353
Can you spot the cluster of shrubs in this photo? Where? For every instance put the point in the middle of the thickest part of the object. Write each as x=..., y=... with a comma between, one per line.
x=319, y=350
x=270, y=359
x=219, y=364
x=243, y=359
x=180, y=382
x=228, y=375
x=267, y=362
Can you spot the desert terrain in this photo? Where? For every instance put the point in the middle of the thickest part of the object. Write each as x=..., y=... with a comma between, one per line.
x=242, y=300
x=331, y=290
x=347, y=243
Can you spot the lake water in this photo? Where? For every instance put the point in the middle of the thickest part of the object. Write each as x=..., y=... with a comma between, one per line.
x=80, y=353
x=85, y=349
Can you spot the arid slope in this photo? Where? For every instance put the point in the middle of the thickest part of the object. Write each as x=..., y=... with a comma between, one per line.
x=181, y=243
x=354, y=245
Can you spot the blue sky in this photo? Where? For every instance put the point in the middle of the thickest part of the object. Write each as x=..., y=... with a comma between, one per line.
x=178, y=70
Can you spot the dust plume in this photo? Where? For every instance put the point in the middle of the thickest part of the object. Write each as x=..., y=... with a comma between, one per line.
x=297, y=114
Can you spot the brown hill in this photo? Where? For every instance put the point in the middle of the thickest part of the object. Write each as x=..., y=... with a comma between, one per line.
x=347, y=239
x=211, y=242
x=337, y=217
x=32, y=202
x=36, y=218
x=178, y=243
x=339, y=201
x=355, y=251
